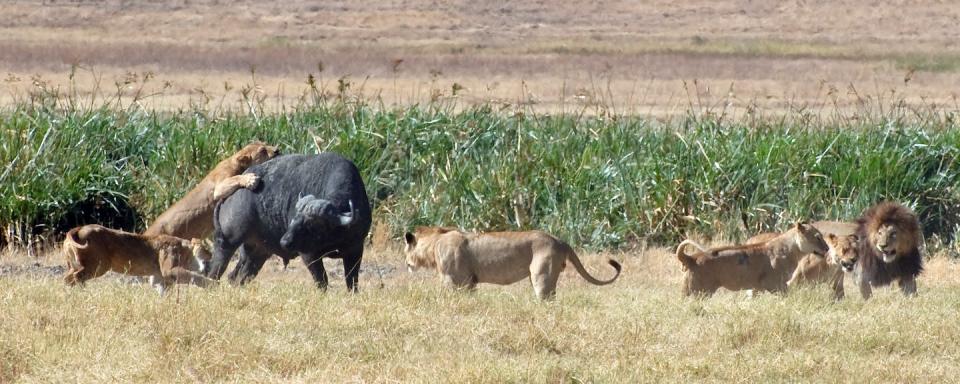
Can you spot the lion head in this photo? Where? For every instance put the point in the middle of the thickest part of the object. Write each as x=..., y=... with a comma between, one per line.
x=809, y=239
x=201, y=253
x=419, y=246
x=255, y=153
x=844, y=251
x=892, y=230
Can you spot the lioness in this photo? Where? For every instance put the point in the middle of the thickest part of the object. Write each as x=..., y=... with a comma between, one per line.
x=92, y=250
x=844, y=251
x=749, y=266
x=812, y=268
x=192, y=216
x=465, y=259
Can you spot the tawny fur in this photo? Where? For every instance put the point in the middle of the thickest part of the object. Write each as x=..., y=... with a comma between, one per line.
x=749, y=266
x=812, y=268
x=465, y=259
x=92, y=250
x=844, y=251
x=889, y=249
x=192, y=216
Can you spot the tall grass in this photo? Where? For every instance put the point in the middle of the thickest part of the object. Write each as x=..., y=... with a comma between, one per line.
x=598, y=181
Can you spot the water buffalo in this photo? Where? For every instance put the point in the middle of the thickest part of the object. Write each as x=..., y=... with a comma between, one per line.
x=312, y=206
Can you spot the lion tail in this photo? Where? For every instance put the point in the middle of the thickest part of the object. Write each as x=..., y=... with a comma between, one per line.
x=685, y=259
x=71, y=251
x=572, y=257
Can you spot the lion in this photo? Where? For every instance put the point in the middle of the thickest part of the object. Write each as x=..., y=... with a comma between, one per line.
x=93, y=250
x=192, y=216
x=748, y=266
x=465, y=259
x=812, y=268
x=844, y=251
x=889, y=250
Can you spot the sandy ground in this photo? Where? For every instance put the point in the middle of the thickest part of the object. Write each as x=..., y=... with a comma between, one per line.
x=630, y=57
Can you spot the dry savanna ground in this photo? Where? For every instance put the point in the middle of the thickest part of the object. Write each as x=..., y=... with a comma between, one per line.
x=403, y=328
x=656, y=57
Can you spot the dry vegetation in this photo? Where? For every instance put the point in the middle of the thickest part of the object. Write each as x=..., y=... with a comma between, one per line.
x=656, y=57
x=638, y=57
x=403, y=328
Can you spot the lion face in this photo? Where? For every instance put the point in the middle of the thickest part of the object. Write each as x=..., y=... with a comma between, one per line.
x=810, y=240
x=885, y=239
x=415, y=253
x=843, y=251
x=201, y=254
x=419, y=247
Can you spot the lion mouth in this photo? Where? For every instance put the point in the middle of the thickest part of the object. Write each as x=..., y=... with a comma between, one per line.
x=888, y=256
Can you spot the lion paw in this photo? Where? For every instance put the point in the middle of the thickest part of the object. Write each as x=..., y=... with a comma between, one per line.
x=249, y=180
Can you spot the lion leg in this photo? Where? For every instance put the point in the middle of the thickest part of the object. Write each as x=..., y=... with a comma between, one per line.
x=228, y=186
x=544, y=275
x=865, y=290
x=458, y=282
x=795, y=277
x=182, y=275
x=908, y=285
x=159, y=283
x=837, y=281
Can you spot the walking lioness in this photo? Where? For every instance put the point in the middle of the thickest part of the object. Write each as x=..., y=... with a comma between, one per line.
x=465, y=259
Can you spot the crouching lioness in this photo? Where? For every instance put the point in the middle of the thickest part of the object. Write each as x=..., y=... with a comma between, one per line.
x=465, y=259
x=747, y=266
x=93, y=250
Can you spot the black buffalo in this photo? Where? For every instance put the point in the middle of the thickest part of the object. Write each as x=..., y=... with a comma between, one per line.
x=312, y=206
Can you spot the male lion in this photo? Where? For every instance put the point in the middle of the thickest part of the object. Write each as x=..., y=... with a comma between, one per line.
x=192, y=216
x=465, y=259
x=92, y=250
x=749, y=266
x=889, y=249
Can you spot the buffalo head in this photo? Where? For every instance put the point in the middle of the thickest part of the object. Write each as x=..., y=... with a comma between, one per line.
x=314, y=216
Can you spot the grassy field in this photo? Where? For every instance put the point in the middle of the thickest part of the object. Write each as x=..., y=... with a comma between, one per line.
x=404, y=328
x=600, y=181
x=619, y=126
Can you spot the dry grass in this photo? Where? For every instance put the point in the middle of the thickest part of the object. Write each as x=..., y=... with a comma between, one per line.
x=280, y=329
x=634, y=56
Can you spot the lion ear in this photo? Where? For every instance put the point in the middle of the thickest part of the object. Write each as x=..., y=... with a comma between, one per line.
x=854, y=238
x=831, y=237
x=244, y=159
x=410, y=239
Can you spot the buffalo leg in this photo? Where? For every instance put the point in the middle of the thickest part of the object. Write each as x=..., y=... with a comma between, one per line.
x=351, y=267
x=249, y=265
x=314, y=264
x=223, y=250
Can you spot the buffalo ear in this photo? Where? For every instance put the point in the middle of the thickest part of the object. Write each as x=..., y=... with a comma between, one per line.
x=410, y=238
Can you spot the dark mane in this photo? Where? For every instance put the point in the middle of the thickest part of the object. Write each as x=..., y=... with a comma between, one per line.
x=871, y=262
